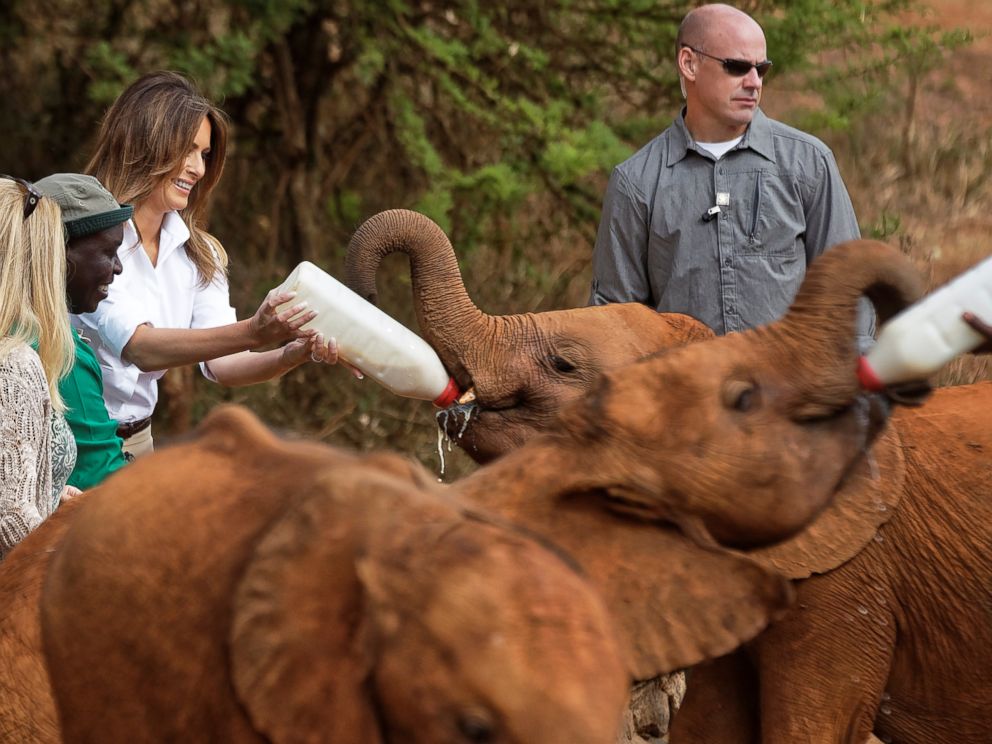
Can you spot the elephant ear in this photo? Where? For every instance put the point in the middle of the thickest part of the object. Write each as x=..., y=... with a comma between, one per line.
x=300, y=601
x=866, y=501
x=675, y=603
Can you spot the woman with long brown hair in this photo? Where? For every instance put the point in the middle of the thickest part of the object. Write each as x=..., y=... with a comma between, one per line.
x=37, y=450
x=161, y=147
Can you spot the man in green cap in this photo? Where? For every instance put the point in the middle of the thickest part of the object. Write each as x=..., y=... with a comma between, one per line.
x=94, y=228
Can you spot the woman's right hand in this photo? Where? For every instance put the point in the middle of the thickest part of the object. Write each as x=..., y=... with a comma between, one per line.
x=268, y=326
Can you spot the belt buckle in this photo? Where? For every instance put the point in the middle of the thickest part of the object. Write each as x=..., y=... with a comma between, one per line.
x=130, y=428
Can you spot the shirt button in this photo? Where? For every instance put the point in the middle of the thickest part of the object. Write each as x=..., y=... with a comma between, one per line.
x=728, y=262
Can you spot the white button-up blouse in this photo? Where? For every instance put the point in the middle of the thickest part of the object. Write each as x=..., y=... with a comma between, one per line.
x=167, y=295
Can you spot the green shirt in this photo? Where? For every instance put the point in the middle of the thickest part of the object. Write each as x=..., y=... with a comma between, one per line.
x=99, y=449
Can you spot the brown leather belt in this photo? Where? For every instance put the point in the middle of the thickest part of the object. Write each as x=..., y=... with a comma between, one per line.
x=129, y=429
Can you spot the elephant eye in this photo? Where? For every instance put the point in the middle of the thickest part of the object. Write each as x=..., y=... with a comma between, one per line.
x=477, y=727
x=739, y=395
x=561, y=364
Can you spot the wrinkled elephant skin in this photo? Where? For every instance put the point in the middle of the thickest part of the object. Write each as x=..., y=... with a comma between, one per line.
x=897, y=638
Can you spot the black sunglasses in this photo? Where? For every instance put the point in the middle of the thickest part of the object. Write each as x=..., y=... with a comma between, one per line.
x=31, y=198
x=736, y=67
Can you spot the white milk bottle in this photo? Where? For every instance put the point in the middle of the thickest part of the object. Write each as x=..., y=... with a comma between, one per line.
x=925, y=336
x=370, y=340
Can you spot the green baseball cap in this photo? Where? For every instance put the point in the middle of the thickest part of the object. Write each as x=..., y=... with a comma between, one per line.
x=87, y=207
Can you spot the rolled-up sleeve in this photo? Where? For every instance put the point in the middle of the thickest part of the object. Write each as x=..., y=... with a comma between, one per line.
x=619, y=259
x=116, y=319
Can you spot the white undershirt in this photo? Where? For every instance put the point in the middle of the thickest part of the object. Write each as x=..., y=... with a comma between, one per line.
x=719, y=149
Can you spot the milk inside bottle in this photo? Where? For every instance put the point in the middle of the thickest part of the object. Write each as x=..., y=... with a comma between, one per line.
x=921, y=339
x=369, y=339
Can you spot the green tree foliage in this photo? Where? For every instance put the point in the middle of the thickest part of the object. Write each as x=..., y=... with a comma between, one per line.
x=499, y=120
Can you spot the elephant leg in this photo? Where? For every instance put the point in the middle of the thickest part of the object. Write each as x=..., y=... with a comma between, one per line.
x=720, y=705
x=824, y=667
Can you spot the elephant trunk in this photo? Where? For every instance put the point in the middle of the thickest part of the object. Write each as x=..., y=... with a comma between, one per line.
x=448, y=319
x=821, y=324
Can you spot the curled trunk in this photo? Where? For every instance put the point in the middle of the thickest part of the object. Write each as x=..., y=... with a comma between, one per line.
x=449, y=320
x=821, y=323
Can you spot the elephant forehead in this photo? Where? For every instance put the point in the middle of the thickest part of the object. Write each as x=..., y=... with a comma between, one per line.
x=624, y=332
x=514, y=620
x=695, y=373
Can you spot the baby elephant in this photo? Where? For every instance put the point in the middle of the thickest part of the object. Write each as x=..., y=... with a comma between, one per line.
x=239, y=588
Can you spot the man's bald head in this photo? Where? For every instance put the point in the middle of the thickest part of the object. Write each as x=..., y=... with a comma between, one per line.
x=702, y=23
x=720, y=50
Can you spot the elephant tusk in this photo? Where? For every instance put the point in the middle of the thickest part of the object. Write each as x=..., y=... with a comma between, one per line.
x=467, y=397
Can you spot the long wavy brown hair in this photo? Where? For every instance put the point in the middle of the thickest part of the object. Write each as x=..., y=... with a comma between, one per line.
x=145, y=137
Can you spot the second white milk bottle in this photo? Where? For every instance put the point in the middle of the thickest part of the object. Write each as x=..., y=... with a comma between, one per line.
x=925, y=336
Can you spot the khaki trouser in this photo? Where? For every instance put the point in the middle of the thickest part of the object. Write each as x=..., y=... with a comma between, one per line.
x=140, y=443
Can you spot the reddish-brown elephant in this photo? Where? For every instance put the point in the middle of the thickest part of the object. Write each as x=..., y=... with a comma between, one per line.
x=522, y=368
x=240, y=588
x=892, y=629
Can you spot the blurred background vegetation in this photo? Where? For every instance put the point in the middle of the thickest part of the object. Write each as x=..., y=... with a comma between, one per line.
x=501, y=121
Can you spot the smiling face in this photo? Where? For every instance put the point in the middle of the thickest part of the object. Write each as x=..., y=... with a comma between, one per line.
x=720, y=106
x=91, y=265
x=173, y=191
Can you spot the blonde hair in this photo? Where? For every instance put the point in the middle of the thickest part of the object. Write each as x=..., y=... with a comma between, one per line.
x=145, y=137
x=32, y=284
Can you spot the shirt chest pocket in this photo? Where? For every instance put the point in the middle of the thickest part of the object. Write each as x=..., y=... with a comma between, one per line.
x=769, y=220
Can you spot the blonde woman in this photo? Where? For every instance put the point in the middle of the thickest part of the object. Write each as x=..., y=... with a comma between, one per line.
x=161, y=147
x=37, y=451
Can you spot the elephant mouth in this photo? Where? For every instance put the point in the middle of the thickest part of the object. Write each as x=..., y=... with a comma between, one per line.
x=470, y=423
x=454, y=420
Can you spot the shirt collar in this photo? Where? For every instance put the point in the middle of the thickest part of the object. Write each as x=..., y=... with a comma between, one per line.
x=757, y=137
x=174, y=234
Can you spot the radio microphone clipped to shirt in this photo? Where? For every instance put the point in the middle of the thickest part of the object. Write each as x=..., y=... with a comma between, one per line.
x=722, y=200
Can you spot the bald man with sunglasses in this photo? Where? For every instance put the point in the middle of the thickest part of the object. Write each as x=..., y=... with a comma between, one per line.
x=719, y=216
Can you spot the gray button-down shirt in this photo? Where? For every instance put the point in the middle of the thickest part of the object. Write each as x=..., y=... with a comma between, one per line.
x=781, y=203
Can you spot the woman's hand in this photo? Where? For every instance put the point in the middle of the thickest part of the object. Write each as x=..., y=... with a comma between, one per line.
x=69, y=493
x=268, y=326
x=317, y=350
